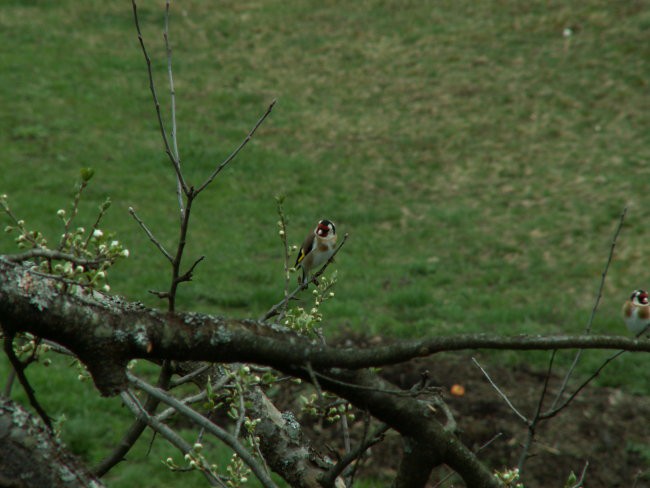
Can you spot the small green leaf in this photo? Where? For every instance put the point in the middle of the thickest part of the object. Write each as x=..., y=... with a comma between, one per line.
x=87, y=174
x=571, y=480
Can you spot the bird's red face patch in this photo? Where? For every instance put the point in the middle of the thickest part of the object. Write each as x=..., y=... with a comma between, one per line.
x=322, y=230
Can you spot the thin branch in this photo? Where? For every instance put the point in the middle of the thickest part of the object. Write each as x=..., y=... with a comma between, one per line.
x=133, y=404
x=189, y=400
x=236, y=151
x=11, y=377
x=315, y=383
x=187, y=276
x=152, y=87
x=73, y=213
x=215, y=430
x=503, y=395
x=275, y=309
x=530, y=436
x=581, y=481
x=599, y=295
x=242, y=409
x=151, y=237
x=330, y=476
x=102, y=211
x=285, y=248
x=554, y=410
x=412, y=393
x=19, y=368
x=190, y=376
x=135, y=430
x=172, y=93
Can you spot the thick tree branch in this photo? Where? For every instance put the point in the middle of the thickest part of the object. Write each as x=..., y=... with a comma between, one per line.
x=23, y=465
x=106, y=333
x=284, y=445
x=418, y=460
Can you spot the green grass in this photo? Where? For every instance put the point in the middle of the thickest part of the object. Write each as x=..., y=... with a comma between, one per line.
x=478, y=159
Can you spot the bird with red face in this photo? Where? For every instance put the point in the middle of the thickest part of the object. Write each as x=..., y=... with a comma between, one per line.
x=317, y=248
x=636, y=312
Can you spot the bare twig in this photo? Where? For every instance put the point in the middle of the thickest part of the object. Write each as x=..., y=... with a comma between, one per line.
x=537, y=417
x=346, y=432
x=152, y=87
x=215, y=430
x=489, y=441
x=189, y=400
x=236, y=151
x=503, y=395
x=275, y=309
x=151, y=237
x=172, y=93
x=285, y=248
x=413, y=392
x=599, y=295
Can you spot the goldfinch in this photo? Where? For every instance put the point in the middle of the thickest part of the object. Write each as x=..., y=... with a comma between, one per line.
x=317, y=248
x=636, y=312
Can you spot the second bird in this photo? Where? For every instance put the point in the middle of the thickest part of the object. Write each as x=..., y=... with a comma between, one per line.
x=636, y=312
x=317, y=248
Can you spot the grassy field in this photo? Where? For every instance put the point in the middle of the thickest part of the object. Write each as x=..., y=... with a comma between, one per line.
x=479, y=154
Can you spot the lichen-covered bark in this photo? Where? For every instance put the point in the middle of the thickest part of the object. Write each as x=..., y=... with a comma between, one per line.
x=283, y=445
x=30, y=457
x=106, y=332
